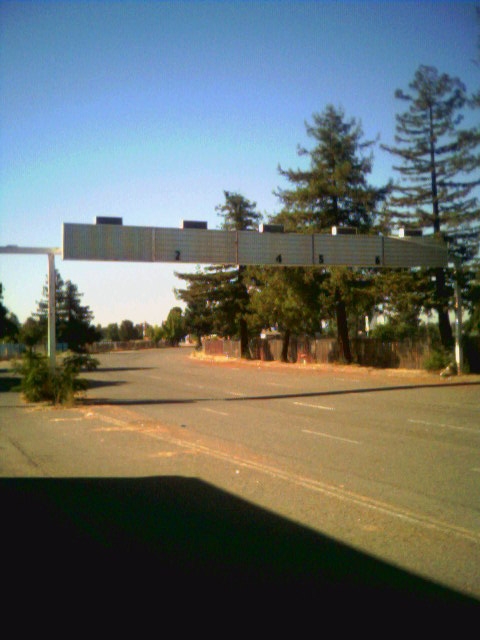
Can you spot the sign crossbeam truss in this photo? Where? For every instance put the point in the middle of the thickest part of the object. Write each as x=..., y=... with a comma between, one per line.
x=104, y=242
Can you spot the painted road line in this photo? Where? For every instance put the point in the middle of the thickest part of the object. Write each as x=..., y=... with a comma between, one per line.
x=328, y=435
x=314, y=406
x=185, y=384
x=444, y=426
x=221, y=413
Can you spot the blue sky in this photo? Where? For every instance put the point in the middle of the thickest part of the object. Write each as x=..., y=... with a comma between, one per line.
x=150, y=110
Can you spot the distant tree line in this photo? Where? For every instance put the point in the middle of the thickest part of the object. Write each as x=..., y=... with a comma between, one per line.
x=171, y=331
x=73, y=321
x=74, y=326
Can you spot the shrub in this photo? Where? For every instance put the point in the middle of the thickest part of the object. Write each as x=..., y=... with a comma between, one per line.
x=78, y=361
x=437, y=359
x=39, y=383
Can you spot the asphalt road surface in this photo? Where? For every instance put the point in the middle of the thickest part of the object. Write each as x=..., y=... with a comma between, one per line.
x=338, y=479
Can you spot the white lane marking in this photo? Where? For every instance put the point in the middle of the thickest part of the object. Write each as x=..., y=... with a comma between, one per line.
x=221, y=413
x=235, y=393
x=66, y=419
x=445, y=426
x=328, y=435
x=314, y=406
x=185, y=384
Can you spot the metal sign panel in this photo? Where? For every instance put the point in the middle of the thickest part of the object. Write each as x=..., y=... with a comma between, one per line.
x=203, y=246
x=348, y=250
x=415, y=252
x=107, y=242
x=289, y=249
x=194, y=245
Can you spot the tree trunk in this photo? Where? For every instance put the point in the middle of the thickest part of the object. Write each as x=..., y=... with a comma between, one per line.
x=342, y=328
x=285, y=345
x=444, y=326
x=244, y=348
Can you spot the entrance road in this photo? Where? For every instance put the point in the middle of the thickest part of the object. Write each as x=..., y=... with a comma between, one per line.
x=385, y=462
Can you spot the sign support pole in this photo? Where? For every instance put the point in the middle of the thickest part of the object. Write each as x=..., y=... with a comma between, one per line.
x=14, y=249
x=52, y=347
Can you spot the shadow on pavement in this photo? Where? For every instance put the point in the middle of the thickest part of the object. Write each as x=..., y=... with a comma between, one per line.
x=198, y=540
x=95, y=384
x=9, y=383
x=281, y=396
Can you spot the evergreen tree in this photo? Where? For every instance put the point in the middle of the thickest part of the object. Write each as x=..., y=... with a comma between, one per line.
x=199, y=313
x=128, y=331
x=333, y=191
x=9, y=324
x=401, y=294
x=75, y=320
x=72, y=319
x=223, y=287
x=287, y=299
x=437, y=158
x=238, y=213
x=174, y=327
x=112, y=332
x=31, y=333
x=475, y=100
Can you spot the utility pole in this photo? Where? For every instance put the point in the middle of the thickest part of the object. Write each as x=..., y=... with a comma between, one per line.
x=51, y=253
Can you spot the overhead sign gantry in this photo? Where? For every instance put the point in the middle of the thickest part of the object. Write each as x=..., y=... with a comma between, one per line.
x=109, y=240
x=194, y=243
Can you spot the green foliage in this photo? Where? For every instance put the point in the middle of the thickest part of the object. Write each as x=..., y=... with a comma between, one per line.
x=72, y=319
x=437, y=158
x=78, y=361
x=238, y=213
x=436, y=155
x=385, y=332
x=472, y=300
x=155, y=333
x=438, y=359
x=128, y=331
x=285, y=298
x=334, y=191
x=174, y=327
x=9, y=325
x=41, y=384
x=112, y=332
x=217, y=297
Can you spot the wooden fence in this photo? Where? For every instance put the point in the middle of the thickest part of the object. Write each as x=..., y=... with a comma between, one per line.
x=365, y=351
